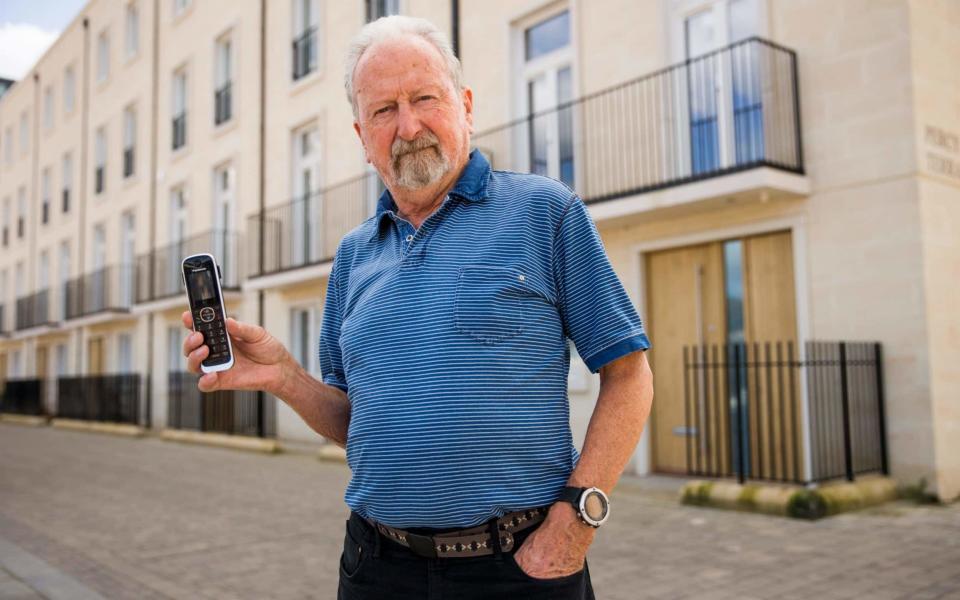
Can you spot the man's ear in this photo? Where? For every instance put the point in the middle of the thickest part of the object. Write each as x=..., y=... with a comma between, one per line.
x=356, y=127
x=467, y=96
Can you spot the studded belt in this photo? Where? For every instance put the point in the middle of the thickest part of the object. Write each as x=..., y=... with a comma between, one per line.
x=475, y=541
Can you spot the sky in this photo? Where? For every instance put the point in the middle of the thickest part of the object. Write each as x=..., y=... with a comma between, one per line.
x=27, y=28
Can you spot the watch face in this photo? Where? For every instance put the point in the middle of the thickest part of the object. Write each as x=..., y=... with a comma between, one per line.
x=595, y=506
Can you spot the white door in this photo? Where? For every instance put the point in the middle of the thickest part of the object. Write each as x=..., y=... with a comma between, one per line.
x=307, y=202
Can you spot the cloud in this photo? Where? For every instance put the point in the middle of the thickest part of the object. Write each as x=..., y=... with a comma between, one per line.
x=21, y=46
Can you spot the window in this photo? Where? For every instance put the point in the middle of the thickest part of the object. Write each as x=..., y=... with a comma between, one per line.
x=69, y=88
x=6, y=222
x=125, y=353
x=129, y=141
x=176, y=362
x=99, y=246
x=382, y=8
x=62, y=365
x=16, y=365
x=223, y=96
x=24, y=133
x=21, y=212
x=48, y=107
x=133, y=30
x=67, y=179
x=179, y=109
x=303, y=336
x=45, y=186
x=305, y=20
x=223, y=209
x=100, y=175
x=128, y=246
x=43, y=276
x=547, y=80
x=8, y=145
x=179, y=6
x=103, y=56
x=178, y=232
x=4, y=295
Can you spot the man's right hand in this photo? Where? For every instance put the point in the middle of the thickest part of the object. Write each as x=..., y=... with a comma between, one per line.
x=260, y=362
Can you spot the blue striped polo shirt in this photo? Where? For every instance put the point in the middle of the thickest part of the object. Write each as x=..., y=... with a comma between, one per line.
x=451, y=343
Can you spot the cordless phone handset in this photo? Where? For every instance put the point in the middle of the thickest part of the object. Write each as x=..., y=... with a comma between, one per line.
x=201, y=277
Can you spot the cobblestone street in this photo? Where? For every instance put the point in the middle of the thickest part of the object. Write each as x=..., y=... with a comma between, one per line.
x=85, y=514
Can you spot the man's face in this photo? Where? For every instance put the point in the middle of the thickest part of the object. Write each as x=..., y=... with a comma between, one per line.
x=414, y=126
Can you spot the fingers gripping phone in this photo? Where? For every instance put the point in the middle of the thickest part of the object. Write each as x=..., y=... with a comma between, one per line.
x=201, y=277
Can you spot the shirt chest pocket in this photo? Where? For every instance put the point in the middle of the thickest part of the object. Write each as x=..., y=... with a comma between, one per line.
x=490, y=303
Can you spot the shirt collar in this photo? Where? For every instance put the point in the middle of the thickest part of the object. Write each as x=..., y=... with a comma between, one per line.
x=472, y=186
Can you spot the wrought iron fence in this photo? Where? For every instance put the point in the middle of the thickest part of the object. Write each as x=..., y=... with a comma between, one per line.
x=165, y=264
x=119, y=398
x=229, y=411
x=23, y=397
x=745, y=414
x=732, y=109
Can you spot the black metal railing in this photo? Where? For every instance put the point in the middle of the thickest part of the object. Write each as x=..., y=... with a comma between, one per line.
x=34, y=310
x=128, y=162
x=100, y=179
x=223, y=104
x=110, y=288
x=23, y=397
x=232, y=412
x=179, y=130
x=165, y=264
x=305, y=53
x=729, y=110
x=745, y=415
x=307, y=230
x=123, y=398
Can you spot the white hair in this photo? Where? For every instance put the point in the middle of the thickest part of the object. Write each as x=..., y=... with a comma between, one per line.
x=396, y=26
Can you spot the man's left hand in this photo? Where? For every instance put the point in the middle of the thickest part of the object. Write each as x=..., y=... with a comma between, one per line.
x=558, y=547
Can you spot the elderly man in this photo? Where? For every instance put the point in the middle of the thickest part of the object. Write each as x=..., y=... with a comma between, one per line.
x=444, y=352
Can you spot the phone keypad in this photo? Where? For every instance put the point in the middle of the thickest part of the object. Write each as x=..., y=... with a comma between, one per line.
x=209, y=321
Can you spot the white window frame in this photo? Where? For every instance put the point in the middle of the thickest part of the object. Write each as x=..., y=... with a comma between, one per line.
x=176, y=362
x=43, y=270
x=69, y=89
x=125, y=353
x=46, y=184
x=307, y=212
x=48, y=107
x=66, y=178
x=224, y=208
x=100, y=157
x=8, y=144
x=24, y=133
x=103, y=56
x=21, y=212
x=129, y=139
x=299, y=25
x=313, y=332
x=225, y=72
x=132, y=30
x=65, y=270
x=61, y=360
x=179, y=104
x=98, y=249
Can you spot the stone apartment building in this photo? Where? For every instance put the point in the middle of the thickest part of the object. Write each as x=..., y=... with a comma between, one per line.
x=759, y=170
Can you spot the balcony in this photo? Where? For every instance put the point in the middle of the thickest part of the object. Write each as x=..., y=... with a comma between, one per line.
x=223, y=104
x=110, y=289
x=722, y=125
x=34, y=310
x=305, y=53
x=307, y=230
x=159, y=270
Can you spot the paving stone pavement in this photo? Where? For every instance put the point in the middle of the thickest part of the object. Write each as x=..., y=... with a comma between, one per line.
x=145, y=519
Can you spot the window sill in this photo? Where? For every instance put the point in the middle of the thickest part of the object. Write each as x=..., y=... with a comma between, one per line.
x=307, y=81
x=179, y=153
x=226, y=127
x=130, y=180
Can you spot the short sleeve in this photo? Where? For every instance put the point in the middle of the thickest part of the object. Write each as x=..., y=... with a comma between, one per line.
x=331, y=361
x=597, y=314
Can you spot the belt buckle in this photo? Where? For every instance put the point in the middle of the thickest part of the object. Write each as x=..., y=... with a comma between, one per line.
x=422, y=545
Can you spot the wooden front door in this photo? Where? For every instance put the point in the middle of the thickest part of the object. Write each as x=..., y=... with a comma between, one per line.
x=738, y=290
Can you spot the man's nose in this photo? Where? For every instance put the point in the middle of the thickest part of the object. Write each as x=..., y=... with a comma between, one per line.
x=408, y=123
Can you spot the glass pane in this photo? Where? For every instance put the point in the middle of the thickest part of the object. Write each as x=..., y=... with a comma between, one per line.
x=733, y=289
x=537, y=94
x=700, y=34
x=744, y=18
x=565, y=125
x=702, y=85
x=550, y=35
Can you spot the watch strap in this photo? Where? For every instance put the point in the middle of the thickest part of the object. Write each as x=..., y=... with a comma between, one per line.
x=572, y=495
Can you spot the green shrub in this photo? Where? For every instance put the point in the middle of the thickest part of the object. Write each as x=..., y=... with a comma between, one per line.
x=807, y=504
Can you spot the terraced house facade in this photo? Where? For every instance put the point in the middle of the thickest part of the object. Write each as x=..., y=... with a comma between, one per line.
x=776, y=182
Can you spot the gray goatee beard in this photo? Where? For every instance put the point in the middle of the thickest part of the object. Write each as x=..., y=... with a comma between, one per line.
x=419, y=163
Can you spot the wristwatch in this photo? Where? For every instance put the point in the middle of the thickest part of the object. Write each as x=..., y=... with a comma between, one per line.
x=591, y=504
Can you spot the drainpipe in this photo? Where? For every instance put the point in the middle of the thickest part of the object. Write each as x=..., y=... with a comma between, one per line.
x=151, y=263
x=261, y=185
x=455, y=26
x=82, y=196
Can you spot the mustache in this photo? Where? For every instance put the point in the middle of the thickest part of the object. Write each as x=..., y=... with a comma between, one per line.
x=401, y=146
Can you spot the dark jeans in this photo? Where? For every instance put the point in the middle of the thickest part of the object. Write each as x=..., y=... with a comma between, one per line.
x=393, y=572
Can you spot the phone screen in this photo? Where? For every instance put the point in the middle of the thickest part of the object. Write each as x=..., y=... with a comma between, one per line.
x=201, y=282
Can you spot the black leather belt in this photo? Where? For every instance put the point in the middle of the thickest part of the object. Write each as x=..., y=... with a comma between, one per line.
x=475, y=541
